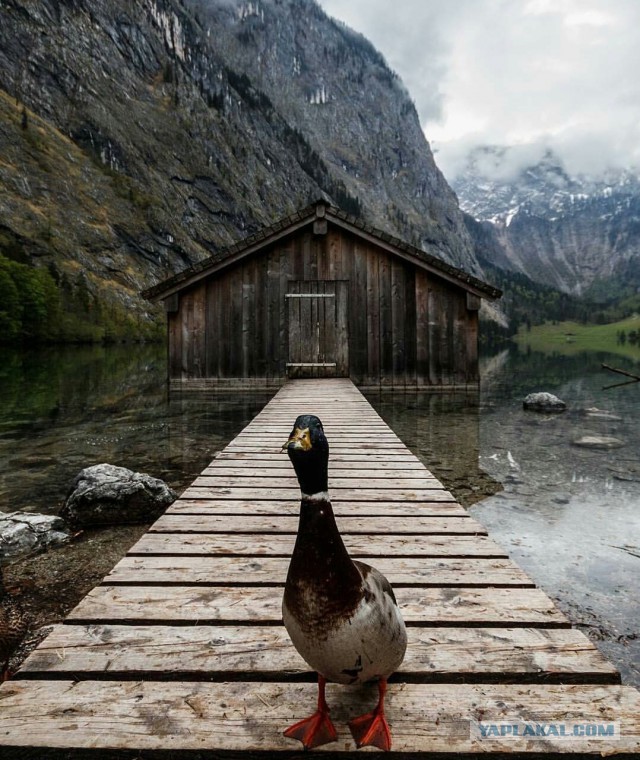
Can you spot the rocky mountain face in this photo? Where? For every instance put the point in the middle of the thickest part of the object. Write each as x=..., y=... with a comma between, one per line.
x=580, y=234
x=138, y=136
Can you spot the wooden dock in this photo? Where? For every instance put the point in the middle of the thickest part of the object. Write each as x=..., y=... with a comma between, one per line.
x=181, y=650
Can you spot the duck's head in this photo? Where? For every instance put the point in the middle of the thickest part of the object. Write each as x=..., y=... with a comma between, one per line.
x=308, y=450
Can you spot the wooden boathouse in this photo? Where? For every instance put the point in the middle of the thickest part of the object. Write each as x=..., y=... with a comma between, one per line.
x=181, y=651
x=320, y=294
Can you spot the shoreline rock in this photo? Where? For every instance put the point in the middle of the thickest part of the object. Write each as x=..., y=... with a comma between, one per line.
x=26, y=533
x=108, y=495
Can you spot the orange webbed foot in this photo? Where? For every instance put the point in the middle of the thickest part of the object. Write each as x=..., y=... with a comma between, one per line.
x=372, y=728
x=317, y=729
x=313, y=731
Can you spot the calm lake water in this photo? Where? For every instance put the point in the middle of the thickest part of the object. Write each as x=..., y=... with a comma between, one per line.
x=569, y=516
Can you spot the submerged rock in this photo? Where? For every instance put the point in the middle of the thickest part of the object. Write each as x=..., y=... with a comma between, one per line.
x=598, y=442
x=600, y=414
x=25, y=533
x=543, y=402
x=108, y=495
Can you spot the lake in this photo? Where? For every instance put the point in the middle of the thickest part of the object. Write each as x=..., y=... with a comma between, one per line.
x=570, y=516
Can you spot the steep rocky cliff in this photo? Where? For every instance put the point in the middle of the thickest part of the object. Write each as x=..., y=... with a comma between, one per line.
x=137, y=136
x=578, y=233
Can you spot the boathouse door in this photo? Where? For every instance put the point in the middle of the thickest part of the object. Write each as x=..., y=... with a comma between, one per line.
x=317, y=327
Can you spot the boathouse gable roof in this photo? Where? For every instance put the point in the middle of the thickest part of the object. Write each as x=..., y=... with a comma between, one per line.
x=319, y=214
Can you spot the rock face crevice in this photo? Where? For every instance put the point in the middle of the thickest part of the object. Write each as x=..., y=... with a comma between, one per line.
x=141, y=136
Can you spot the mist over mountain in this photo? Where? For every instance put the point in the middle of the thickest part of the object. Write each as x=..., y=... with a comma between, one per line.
x=578, y=233
x=138, y=137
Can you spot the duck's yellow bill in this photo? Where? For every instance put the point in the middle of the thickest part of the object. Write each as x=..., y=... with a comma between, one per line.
x=299, y=439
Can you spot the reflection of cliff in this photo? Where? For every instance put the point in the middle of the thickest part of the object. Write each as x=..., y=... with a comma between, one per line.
x=443, y=431
x=36, y=386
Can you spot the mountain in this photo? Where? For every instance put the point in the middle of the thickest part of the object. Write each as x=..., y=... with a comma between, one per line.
x=139, y=136
x=580, y=234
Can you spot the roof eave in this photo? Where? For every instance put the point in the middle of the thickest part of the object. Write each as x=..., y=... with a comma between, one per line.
x=210, y=266
x=301, y=219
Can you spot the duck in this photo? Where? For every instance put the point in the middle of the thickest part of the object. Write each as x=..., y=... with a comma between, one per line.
x=13, y=627
x=341, y=614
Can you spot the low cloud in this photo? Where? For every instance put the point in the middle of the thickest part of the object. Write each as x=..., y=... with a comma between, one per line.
x=533, y=74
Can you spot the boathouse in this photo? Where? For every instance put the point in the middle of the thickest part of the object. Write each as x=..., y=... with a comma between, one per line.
x=321, y=294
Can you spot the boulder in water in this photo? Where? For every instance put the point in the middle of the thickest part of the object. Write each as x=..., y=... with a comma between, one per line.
x=543, y=402
x=604, y=442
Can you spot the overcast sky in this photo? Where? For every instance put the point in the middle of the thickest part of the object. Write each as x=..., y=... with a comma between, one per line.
x=528, y=73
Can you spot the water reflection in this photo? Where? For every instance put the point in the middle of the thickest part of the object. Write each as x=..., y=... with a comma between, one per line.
x=68, y=408
x=443, y=430
x=568, y=515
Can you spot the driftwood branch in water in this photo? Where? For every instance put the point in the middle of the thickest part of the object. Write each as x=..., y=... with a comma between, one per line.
x=621, y=372
x=636, y=378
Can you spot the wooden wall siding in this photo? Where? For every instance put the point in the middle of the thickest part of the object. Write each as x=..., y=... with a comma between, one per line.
x=400, y=326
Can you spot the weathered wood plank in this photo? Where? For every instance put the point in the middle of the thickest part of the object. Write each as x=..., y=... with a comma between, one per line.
x=260, y=482
x=344, y=445
x=257, y=604
x=424, y=718
x=373, y=315
x=244, y=571
x=172, y=523
x=234, y=463
x=281, y=545
x=334, y=457
x=362, y=508
x=337, y=494
x=357, y=470
x=252, y=653
x=350, y=437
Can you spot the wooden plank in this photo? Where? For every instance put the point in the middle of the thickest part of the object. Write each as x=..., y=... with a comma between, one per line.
x=242, y=717
x=263, y=604
x=238, y=468
x=386, y=324
x=344, y=435
x=244, y=571
x=357, y=309
x=342, y=327
x=398, y=321
x=383, y=450
x=247, y=524
x=410, y=325
x=281, y=545
x=328, y=326
x=373, y=315
x=256, y=430
x=346, y=438
x=273, y=314
x=334, y=457
x=248, y=308
x=337, y=494
x=260, y=482
x=260, y=653
x=174, y=350
x=363, y=509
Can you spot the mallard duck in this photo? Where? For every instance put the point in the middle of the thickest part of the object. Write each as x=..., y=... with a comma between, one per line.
x=341, y=614
x=13, y=626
